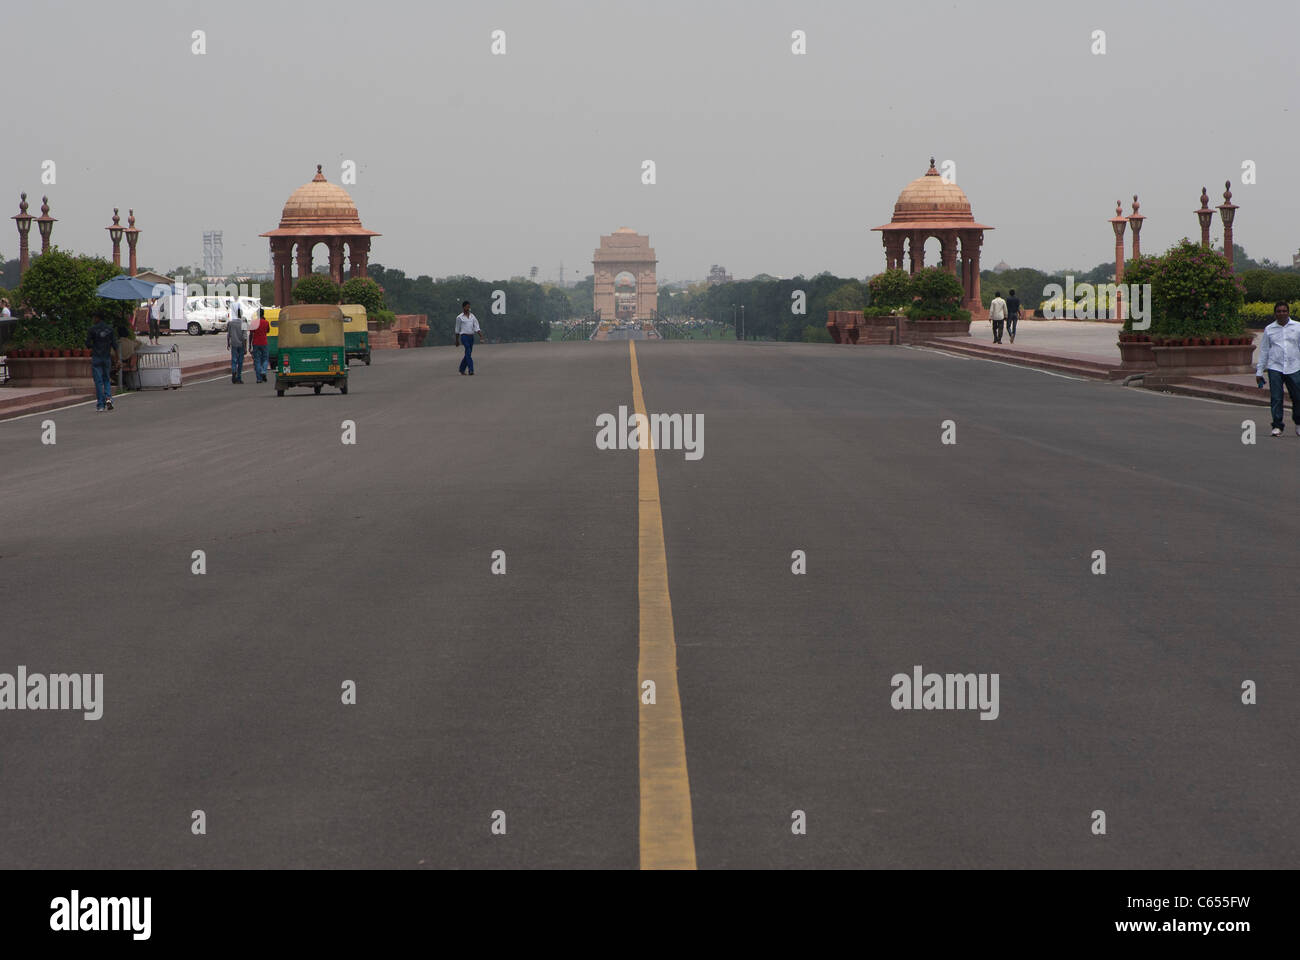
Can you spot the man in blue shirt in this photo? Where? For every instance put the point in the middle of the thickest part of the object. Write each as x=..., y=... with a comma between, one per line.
x=102, y=343
x=1279, y=354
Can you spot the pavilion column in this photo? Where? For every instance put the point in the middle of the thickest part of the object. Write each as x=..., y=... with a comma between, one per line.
x=365, y=257
x=304, y=258
x=895, y=248
x=336, y=260
x=976, y=295
x=352, y=259
x=948, y=251
x=280, y=259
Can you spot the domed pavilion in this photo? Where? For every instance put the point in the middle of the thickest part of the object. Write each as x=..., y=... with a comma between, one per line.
x=318, y=212
x=931, y=206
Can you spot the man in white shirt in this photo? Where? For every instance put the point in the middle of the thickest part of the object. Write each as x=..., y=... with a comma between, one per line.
x=1279, y=354
x=155, y=319
x=466, y=327
x=997, y=313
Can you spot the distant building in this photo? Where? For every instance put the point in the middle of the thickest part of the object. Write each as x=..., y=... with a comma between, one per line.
x=1295, y=261
x=1002, y=265
x=718, y=275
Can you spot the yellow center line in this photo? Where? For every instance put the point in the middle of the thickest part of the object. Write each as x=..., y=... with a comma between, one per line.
x=667, y=833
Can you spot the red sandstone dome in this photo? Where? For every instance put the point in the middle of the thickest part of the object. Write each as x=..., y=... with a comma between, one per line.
x=322, y=209
x=930, y=203
x=929, y=198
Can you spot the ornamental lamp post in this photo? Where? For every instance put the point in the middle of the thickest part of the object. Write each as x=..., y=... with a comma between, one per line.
x=1118, y=222
x=1206, y=216
x=115, y=234
x=1227, y=210
x=1135, y=221
x=45, y=224
x=24, y=222
x=132, y=237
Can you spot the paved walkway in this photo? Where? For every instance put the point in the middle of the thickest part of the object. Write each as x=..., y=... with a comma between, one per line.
x=200, y=357
x=1060, y=338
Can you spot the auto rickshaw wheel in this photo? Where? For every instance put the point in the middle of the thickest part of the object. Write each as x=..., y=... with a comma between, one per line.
x=279, y=392
x=367, y=358
x=317, y=387
x=343, y=388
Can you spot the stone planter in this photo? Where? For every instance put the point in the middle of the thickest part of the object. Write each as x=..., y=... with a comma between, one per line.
x=49, y=371
x=1179, y=363
x=917, y=331
x=1136, y=355
x=403, y=339
x=421, y=334
x=833, y=329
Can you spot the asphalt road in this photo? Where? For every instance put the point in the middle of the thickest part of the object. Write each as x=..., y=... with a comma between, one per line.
x=477, y=693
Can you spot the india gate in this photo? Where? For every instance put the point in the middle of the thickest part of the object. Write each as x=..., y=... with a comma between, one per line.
x=625, y=281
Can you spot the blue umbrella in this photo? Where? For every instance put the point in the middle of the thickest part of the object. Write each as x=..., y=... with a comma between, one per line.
x=123, y=287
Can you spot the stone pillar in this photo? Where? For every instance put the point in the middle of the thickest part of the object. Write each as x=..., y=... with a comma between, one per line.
x=894, y=242
x=281, y=268
x=364, y=256
x=970, y=252
x=948, y=251
x=132, y=238
x=336, y=260
x=304, y=259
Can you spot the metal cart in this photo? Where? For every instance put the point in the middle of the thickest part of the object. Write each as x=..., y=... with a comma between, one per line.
x=158, y=368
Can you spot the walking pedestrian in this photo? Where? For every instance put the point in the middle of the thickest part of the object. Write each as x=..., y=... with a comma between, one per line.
x=155, y=318
x=237, y=341
x=998, y=314
x=102, y=343
x=466, y=327
x=1279, y=354
x=257, y=340
x=1013, y=315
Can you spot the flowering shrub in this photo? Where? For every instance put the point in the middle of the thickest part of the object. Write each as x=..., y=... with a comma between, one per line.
x=1194, y=292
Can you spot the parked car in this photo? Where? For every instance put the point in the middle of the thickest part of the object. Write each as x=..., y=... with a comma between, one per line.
x=204, y=315
x=249, y=307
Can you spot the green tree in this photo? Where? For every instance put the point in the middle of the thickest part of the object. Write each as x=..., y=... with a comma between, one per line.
x=1254, y=281
x=364, y=291
x=890, y=289
x=59, y=291
x=316, y=288
x=938, y=294
x=846, y=297
x=1281, y=286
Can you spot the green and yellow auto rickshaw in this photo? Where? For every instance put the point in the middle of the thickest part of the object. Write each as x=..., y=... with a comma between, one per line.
x=311, y=348
x=356, y=332
x=272, y=315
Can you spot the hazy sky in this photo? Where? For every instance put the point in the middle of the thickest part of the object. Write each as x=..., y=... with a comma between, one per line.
x=766, y=161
